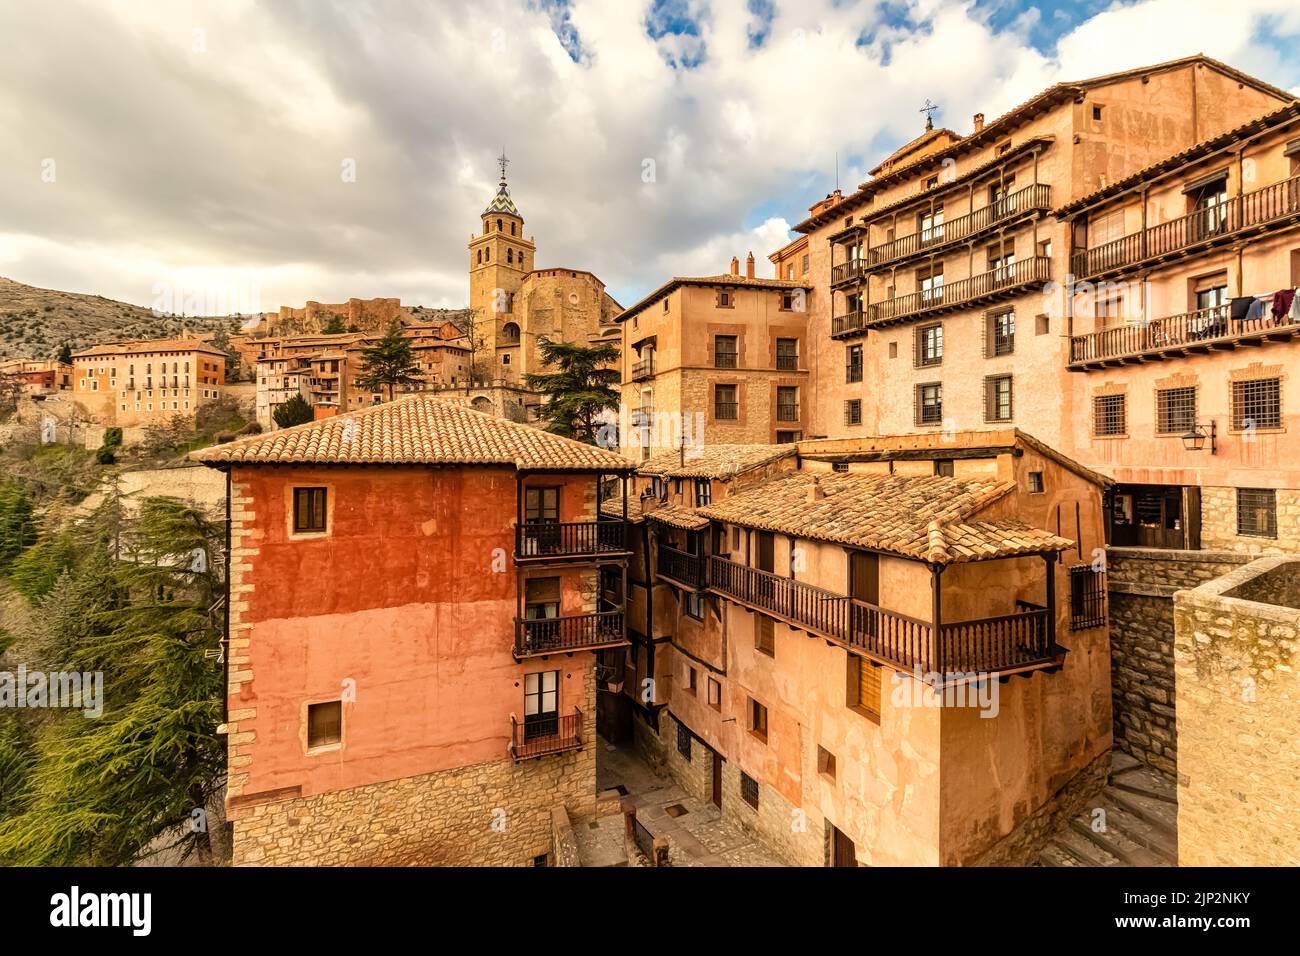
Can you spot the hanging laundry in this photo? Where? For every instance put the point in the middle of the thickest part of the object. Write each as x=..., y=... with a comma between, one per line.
x=1240, y=306
x=1283, y=299
x=1295, y=306
x=1256, y=311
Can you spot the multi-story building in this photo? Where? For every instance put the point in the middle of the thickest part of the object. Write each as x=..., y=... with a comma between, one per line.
x=130, y=383
x=430, y=697
x=716, y=360
x=1180, y=379
x=806, y=613
x=938, y=280
x=37, y=376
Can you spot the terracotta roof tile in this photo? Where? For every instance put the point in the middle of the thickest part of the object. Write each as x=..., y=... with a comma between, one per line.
x=713, y=461
x=416, y=430
x=930, y=518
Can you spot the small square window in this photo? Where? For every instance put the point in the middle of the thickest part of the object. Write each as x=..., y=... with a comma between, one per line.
x=893, y=350
x=1042, y=324
x=715, y=694
x=1257, y=512
x=749, y=789
x=324, y=724
x=853, y=411
x=1036, y=486
x=764, y=635
x=308, y=510
x=1096, y=114
x=694, y=605
x=825, y=763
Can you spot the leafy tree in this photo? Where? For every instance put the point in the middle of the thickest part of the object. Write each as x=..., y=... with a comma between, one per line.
x=388, y=362
x=295, y=411
x=65, y=354
x=581, y=389
x=100, y=791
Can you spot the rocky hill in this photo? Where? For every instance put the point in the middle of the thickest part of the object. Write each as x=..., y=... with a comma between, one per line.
x=34, y=322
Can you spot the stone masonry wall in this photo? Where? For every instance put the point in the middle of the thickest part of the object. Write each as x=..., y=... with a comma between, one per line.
x=1236, y=664
x=491, y=814
x=1142, y=583
x=1219, y=523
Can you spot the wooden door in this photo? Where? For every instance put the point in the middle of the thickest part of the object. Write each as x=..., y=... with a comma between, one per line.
x=765, y=559
x=842, y=852
x=1192, y=517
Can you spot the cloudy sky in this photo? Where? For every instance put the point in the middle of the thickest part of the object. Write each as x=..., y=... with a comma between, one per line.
x=278, y=151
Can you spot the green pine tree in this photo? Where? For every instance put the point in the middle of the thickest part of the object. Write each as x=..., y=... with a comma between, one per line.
x=583, y=387
x=65, y=354
x=295, y=411
x=388, y=362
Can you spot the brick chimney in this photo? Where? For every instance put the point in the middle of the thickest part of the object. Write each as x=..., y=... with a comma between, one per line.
x=749, y=265
x=735, y=266
x=815, y=490
x=979, y=122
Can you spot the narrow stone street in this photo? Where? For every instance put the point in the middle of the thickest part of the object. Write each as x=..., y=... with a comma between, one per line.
x=694, y=829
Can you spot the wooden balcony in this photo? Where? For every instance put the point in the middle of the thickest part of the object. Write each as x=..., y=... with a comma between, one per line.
x=542, y=540
x=545, y=735
x=925, y=242
x=568, y=633
x=1176, y=336
x=848, y=324
x=643, y=369
x=1269, y=207
x=681, y=567
x=850, y=271
x=986, y=287
x=1011, y=642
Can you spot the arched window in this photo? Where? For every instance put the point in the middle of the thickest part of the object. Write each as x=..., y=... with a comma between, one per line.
x=487, y=254
x=510, y=332
x=512, y=229
x=510, y=255
x=480, y=257
x=498, y=225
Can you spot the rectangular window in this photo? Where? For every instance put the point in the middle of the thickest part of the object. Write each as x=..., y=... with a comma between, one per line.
x=725, y=406
x=928, y=346
x=944, y=467
x=864, y=687
x=684, y=741
x=787, y=403
x=694, y=605
x=929, y=404
x=703, y=492
x=997, y=398
x=749, y=789
x=1257, y=403
x=825, y=762
x=853, y=411
x=1175, y=410
x=692, y=680
x=1000, y=334
x=1257, y=512
x=853, y=363
x=541, y=705
x=757, y=719
x=1109, y=415
x=541, y=504
x=541, y=599
x=308, y=509
x=1036, y=486
x=787, y=354
x=715, y=694
x=724, y=300
x=725, y=353
x=764, y=635
x=324, y=724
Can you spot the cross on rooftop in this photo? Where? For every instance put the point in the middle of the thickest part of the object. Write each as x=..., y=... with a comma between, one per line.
x=504, y=163
x=928, y=109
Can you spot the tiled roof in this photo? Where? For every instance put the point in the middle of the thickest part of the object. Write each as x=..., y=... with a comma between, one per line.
x=502, y=202
x=930, y=518
x=416, y=430
x=148, y=345
x=713, y=461
x=752, y=282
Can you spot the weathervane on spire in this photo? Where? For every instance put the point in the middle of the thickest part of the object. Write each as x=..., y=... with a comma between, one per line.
x=928, y=109
x=504, y=163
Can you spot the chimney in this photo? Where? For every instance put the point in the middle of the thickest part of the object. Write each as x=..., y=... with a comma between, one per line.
x=979, y=122
x=815, y=490
x=735, y=266
x=749, y=265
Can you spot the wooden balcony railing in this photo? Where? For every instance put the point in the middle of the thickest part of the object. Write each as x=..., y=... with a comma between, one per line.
x=557, y=539
x=569, y=632
x=1275, y=203
x=1188, y=331
x=681, y=566
x=545, y=734
x=987, y=286
x=926, y=241
x=643, y=369
x=848, y=271
x=848, y=322
x=992, y=644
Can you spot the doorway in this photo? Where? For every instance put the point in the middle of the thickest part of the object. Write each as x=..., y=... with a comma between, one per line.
x=840, y=850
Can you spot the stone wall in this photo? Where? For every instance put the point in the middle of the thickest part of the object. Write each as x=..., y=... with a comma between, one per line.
x=1219, y=523
x=1142, y=583
x=1235, y=663
x=491, y=814
x=564, y=844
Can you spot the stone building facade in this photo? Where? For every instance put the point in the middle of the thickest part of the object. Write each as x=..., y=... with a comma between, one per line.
x=132, y=383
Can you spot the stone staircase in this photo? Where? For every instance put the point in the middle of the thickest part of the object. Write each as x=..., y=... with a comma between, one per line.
x=1139, y=826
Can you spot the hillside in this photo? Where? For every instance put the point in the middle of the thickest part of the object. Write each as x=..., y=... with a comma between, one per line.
x=35, y=322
